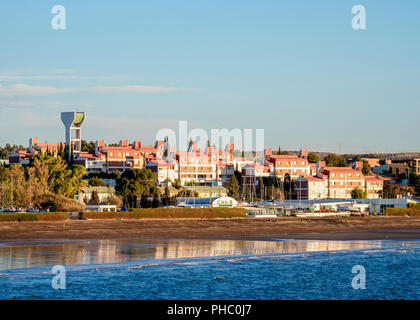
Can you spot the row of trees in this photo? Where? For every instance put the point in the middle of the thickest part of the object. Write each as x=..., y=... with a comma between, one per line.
x=137, y=184
x=414, y=181
x=24, y=186
x=8, y=149
x=269, y=188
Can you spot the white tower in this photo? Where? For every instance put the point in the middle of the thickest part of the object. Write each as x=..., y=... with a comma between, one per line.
x=73, y=122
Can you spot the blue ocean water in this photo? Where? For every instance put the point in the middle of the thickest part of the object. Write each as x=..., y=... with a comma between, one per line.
x=211, y=269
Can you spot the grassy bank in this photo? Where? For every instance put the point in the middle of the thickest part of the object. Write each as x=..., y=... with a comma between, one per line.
x=411, y=212
x=32, y=216
x=170, y=213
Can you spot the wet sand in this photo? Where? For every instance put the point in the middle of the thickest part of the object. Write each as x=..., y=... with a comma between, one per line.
x=349, y=228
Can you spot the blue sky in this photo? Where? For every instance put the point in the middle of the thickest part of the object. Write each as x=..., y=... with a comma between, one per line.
x=296, y=69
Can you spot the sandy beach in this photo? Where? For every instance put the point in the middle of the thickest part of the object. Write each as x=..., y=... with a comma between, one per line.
x=353, y=228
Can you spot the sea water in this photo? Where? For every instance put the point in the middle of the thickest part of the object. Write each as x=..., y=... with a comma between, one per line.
x=210, y=269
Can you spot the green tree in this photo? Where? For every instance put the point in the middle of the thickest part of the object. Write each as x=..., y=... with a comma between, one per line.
x=366, y=169
x=233, y=187
x=414, y=178
x=97, y=182
x=156, y=201
x=281, y=152
x=357, y=193
x=417, y=189
x=390, y=191
x=333, y=160
x=18, y=186
x=313, y=157
x=43, y=177
x=177, y=183
x=88, y=146
x=134, y=183
x=166, y=197
x=95, y=198
x=173, y=201
x=144, y=201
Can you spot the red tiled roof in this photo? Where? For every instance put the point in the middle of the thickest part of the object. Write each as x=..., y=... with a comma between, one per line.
x=314, y=178
x=286, y=157
x=89, y=156
x=162, y=163
x=373, y=179
x=341, y=169
x=148, y=149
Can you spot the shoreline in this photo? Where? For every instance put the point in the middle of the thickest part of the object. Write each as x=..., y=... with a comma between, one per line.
x=353, y=228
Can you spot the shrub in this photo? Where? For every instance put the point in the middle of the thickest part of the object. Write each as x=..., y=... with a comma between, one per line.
x=170, y=213
x=190, y=213
x=414, y=205
x=32, y=216
x=18, y=216
x=107, y=215
x=403, y=212
x=57, y=203
x=52, y=216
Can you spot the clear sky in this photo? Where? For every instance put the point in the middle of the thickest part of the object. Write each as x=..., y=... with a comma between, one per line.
x=294, y=68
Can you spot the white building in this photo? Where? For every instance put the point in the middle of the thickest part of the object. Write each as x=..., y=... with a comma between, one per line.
x=166, y=171
x=311, y=188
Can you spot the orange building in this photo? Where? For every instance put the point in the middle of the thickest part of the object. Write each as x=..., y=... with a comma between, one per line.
x=293, y=165
x=342, y=181
x=122, y=157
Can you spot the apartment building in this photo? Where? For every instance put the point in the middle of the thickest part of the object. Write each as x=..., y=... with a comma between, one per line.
x=51, y=148
x=342, y=181
x=311, y=188
x=92, y=162
x=337, y=183
x=374, y=187
x=220, y=155
x=239, y=163
x=415, y=165
x=373, y=162
x=293, y=165
x=166, y=171
x=24, y=157
x=197, y=167
x=20, y=157
x=252, y=172
x=122, y=157
x=224, y=172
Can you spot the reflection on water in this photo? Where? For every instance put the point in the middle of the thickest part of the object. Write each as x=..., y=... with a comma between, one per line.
x=77, y=252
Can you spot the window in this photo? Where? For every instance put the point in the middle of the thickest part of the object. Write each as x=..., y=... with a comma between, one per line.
x=341, y=175
x=333, y=175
